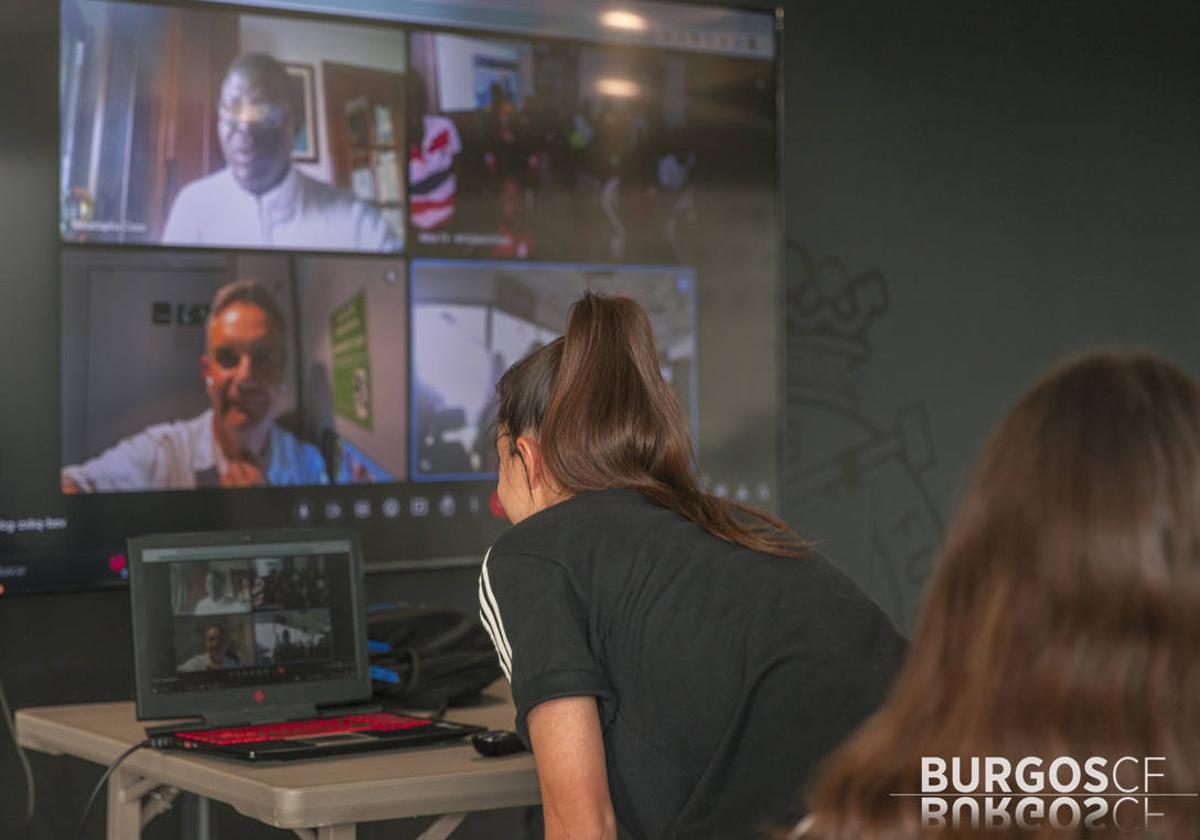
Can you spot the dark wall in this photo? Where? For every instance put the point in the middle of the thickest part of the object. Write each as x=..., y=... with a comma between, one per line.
x=974, y=189
x=984, y=187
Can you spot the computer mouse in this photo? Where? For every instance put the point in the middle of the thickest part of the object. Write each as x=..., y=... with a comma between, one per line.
x=496, y=742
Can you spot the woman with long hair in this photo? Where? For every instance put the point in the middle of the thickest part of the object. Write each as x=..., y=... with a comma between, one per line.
x=678, y=662
x=1063, y=620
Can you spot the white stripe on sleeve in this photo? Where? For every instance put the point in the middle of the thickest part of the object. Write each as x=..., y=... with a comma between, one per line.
x=503, y=664
x=492, y=605
x=485, y=616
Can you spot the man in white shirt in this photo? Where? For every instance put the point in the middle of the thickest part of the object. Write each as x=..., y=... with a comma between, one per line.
x=259, y=199
x=214, y=656
x=235, y=443
x=217, y=600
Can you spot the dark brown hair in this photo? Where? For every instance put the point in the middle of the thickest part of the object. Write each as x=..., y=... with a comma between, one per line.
x=1064, y=616
x=603, y=416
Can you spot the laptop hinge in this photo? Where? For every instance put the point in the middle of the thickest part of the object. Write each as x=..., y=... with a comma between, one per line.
x=240, y=717
x=349, y=709
x=252, y=716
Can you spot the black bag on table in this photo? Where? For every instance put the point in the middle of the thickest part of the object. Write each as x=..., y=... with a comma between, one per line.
x=426, y=657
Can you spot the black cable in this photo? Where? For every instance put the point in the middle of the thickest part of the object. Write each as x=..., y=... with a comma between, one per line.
x=12, y=728
x=87, y=809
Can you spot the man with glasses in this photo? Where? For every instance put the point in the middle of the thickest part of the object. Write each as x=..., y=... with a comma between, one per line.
x=236, y=442
x=259, y=199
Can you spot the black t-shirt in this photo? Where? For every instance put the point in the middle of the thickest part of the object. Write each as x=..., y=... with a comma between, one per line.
x=723, y=675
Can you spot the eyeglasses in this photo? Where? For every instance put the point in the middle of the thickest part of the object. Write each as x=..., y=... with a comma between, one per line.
x=252, y=115
x=262, y=359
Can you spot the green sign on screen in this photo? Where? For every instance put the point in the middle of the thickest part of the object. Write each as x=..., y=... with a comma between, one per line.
x=351, y=361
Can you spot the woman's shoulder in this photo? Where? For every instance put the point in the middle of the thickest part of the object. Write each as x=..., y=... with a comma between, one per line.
x=586, y=508
x=579, y=525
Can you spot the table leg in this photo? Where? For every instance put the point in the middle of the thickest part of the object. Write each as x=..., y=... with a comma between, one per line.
x=442, y=827
x=327, y=832
x=157, y=802
x=337, y=832
x=124, y=806
x=195, y=816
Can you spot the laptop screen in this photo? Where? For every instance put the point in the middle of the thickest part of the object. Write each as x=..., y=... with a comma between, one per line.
x=229, y=621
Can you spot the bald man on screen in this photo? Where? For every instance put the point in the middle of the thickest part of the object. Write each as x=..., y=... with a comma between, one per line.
x=260, y=199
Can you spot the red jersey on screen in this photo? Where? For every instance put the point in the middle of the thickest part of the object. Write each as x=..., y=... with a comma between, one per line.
x=431, y=179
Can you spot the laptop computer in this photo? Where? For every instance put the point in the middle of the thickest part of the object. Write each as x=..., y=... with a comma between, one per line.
x=261, y=635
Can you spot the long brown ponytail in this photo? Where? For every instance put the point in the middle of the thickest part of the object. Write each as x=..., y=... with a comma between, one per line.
x=604, y=417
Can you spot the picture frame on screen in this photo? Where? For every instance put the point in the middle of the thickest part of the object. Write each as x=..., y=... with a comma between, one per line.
x=307, y=147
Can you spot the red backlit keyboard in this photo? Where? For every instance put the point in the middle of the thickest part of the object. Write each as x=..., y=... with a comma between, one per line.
x=378, y=722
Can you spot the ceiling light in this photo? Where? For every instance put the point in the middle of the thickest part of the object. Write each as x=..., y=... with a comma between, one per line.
x=623, y=20
x=617, y=87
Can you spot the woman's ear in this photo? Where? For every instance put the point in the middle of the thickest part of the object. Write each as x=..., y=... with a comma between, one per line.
x=531, y=457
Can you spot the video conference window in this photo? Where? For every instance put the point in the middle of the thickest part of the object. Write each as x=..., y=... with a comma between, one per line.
x=290, y=583
x=214, y=589
x=354, y=364
x=184, y=371
x=205, y=127
x=212, y=643
x=471, y=321
x=251, y=613
x=296, y=636
x=308, y=164
x=529, y=149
